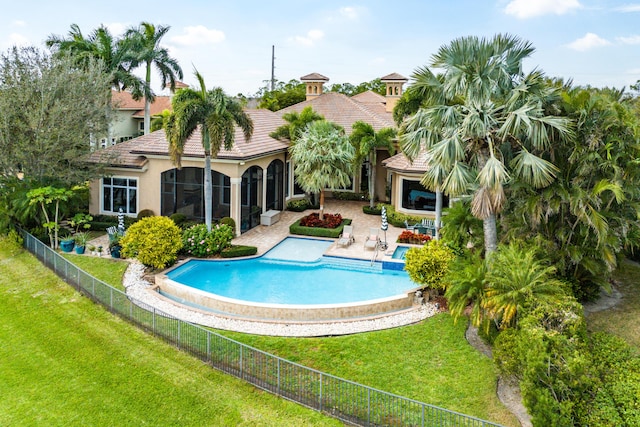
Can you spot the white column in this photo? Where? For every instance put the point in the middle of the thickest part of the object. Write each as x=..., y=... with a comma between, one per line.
x=263, y=189
x=236, y=202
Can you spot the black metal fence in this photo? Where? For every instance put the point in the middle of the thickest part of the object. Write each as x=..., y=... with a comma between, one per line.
x=342, y=399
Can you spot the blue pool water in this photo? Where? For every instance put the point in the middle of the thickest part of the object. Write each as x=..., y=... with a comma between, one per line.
x=273, y=280
x=400, y=252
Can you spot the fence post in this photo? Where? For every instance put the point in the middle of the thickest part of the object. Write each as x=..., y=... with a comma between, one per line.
x=278, y=379
x=320, y=403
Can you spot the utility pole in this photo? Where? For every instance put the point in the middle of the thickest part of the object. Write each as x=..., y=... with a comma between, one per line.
x=273, y=67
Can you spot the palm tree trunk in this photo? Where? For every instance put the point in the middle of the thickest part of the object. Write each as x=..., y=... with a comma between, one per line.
x=438, y=223
x=372, y=178
x=321, y=214
x=490, y=234
x=208, y=190
x=147, y=102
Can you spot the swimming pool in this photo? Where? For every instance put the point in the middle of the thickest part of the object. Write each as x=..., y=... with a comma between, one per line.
x=277, y=286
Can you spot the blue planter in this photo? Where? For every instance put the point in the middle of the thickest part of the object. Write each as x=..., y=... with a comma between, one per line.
x=79, y=250
x=115, y=252
x=66, y=245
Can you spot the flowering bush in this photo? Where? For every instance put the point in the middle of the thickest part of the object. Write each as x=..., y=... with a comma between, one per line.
x=199, y=242
x=329, y=221
x=408, y=236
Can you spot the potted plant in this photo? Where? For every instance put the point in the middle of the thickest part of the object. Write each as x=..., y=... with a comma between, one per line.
x=67, y=243
x=99, y=251
x=114, y=245
x=81, y=240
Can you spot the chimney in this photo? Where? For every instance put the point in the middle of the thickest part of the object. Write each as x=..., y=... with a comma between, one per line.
x=314, y=83
x=394, y=83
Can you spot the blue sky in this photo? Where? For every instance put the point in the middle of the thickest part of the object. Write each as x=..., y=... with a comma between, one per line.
x=594, y=42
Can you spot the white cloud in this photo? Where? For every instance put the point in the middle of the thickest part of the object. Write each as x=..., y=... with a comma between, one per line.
x=199, y=35
x=310, y=39
x=629, y=8
x=590, y=40
x=635, y=39
x=15, y=39
x=523, y=9
x=349, y=13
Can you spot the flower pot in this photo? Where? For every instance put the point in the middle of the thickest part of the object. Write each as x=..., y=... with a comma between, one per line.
x=115, y=252
x=66, y=245
x=79, y=249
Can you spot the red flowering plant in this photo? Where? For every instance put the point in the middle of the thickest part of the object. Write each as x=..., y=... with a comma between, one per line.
x=329, y=221
x=408, y=236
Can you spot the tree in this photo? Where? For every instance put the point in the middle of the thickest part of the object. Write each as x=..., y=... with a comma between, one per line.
x=116, y=55
x=589, y=213
x=45, y=196
x=375, y=85
x=145, y=46
x=282, y=95
x=367, y=142
x=48, y=109
x=216, y=115
x=485, y=124
x=296, y=124
x=322, y=158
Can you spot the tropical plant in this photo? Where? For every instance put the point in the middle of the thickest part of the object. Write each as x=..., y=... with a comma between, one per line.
x=296, y=124
x=461, y=230
x=216, y=115
x=154, y=241
x=429, y=264
x=81, y=221
x=81, y=238
x=322, y=158
x=199, y=242
x=145, y=45
x=516, y=277
x=367, y=142
x=485, y=124
x=466, y=289
x=45, y=196
x=281, y=95
x=116, y=55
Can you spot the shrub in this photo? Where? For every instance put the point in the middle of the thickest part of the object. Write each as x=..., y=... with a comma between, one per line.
x=228, y=221
x=397, y=219
x=376, y=210
x=238, y=251
x=145, y=213
x=329, y=220
x=348, y=195
x=179, y=219
x=334, y=233
x=200, y=242
x=299, y=205
x=154, y=241
x=429, y=264
x=408, y=236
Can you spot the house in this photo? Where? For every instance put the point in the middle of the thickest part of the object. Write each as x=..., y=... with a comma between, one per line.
x=254, y=176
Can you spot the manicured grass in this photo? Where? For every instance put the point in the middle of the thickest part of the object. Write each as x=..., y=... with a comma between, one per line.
x=430, y=362
x=624, y=318
x=105, y=268
x=68, y=362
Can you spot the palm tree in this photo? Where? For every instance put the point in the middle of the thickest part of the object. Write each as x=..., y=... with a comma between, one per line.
x=515, y=278
x=485, y=123
x=296, y=124
x=323, y=158
x=366, y=142
x=116, y=54
x=145, y=43
x=216, y=114
x=466, y=289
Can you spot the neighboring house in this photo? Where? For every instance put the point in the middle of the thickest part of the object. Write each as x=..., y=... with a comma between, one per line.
x=254, y=176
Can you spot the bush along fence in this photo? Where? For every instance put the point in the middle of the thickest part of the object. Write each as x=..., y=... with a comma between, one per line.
x=345, y=400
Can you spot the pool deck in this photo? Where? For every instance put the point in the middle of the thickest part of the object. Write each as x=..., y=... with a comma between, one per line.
x=266, y=237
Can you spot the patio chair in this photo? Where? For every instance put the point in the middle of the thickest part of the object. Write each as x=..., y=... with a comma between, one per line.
x=407, y=226
x=346, y=238
x=373, y=239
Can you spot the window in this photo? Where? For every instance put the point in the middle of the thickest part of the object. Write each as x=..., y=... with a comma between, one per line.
x=120, y=193
x=416, y=197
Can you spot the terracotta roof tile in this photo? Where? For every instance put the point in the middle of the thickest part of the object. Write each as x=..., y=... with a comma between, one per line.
x=370, y=97
x=394, y=77
x=345, y=111
x=314, y=77
x=401, y=163
x=123, y=100
x=131, y=153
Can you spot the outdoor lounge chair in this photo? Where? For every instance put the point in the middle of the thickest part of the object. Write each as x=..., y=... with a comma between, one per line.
x=409, y=227
x=346, y=238
x=373, y=239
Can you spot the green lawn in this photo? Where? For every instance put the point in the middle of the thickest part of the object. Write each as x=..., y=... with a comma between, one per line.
x=105, y=268
x=65, y=362
x=624, y=318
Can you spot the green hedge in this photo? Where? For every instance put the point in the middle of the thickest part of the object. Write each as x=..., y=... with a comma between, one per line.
x=334, y=233
x=376, y=210
x=348, y=195
x=238, y=251
x=397, y=219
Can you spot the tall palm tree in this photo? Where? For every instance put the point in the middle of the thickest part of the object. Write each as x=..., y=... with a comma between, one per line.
x=216, y=115
x=145, y=41
x=323, y=158
x=366, y=142
x=115, y=54
x=296, y=124
x=485, y=123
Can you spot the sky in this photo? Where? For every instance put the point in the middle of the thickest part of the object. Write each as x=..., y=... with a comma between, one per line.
x=592, y=42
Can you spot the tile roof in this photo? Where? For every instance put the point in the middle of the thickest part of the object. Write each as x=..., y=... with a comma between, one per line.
x=370, y=97
x=401, y=163
x=123, y=100
x=394, y=77
x=133, y=153
x=345, y=111
x=314, y=77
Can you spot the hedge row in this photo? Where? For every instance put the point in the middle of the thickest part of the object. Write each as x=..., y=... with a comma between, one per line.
x=238, y=251
x=334, y=233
